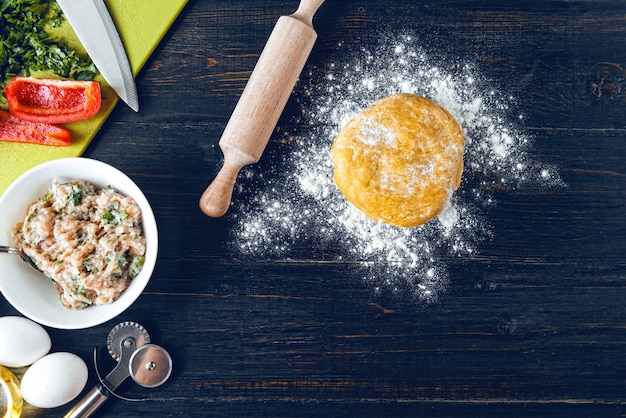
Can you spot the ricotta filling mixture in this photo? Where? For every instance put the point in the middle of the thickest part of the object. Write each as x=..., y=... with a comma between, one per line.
x=88, y=240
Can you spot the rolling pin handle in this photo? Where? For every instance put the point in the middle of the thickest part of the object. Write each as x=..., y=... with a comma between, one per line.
x=306, y=11
x=215, y=200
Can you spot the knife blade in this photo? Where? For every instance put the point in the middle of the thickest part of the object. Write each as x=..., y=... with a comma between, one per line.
x=95, y=29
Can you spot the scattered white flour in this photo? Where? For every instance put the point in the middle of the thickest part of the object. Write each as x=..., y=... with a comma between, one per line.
x=296, y=208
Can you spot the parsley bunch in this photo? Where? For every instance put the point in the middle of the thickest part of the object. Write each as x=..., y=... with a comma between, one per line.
x=25, y=45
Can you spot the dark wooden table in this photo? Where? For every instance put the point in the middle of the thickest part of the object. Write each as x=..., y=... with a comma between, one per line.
x=531, y=323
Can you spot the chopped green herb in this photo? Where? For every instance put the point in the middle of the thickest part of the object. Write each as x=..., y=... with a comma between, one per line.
x=107, y=216
x=76, y=197
x=76, y=194
x=122, y=261
x=88, y=264
x=25, y=45
x=136, y=266
x=113, y=216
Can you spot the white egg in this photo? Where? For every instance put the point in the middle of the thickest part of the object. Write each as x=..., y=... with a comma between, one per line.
x=54, y=380
x=22, y=341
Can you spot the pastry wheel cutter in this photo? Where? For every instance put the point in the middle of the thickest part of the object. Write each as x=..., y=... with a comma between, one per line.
x=149, y=365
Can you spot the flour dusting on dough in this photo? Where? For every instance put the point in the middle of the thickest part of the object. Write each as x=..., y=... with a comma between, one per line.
x=297, y=211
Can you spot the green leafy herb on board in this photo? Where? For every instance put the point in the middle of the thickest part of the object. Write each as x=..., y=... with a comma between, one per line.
x=25, y=45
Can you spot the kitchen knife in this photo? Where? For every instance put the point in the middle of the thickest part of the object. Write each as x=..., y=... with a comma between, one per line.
x=95, y=29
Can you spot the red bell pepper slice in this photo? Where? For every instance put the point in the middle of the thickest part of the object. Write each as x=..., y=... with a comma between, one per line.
x=13, y=129
x=53, y=101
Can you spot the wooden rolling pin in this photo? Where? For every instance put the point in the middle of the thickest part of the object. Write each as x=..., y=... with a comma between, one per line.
x=262, y=102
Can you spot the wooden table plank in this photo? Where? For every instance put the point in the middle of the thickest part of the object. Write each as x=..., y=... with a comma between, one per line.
x=531, y=324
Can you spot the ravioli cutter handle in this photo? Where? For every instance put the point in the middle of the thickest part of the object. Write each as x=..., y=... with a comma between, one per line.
x=262, y=102
x=90, y=403
x=103, y=390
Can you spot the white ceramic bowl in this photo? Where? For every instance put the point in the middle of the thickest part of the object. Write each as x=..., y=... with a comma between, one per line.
x=30, y=292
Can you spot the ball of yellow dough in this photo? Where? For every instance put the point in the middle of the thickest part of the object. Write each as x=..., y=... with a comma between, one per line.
x=400, y=160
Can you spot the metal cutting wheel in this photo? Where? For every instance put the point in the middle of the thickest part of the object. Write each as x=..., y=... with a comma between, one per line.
x=149, y=365
x=121, y=335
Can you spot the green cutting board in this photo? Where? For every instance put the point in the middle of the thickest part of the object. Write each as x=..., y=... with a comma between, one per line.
x=141, y=25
